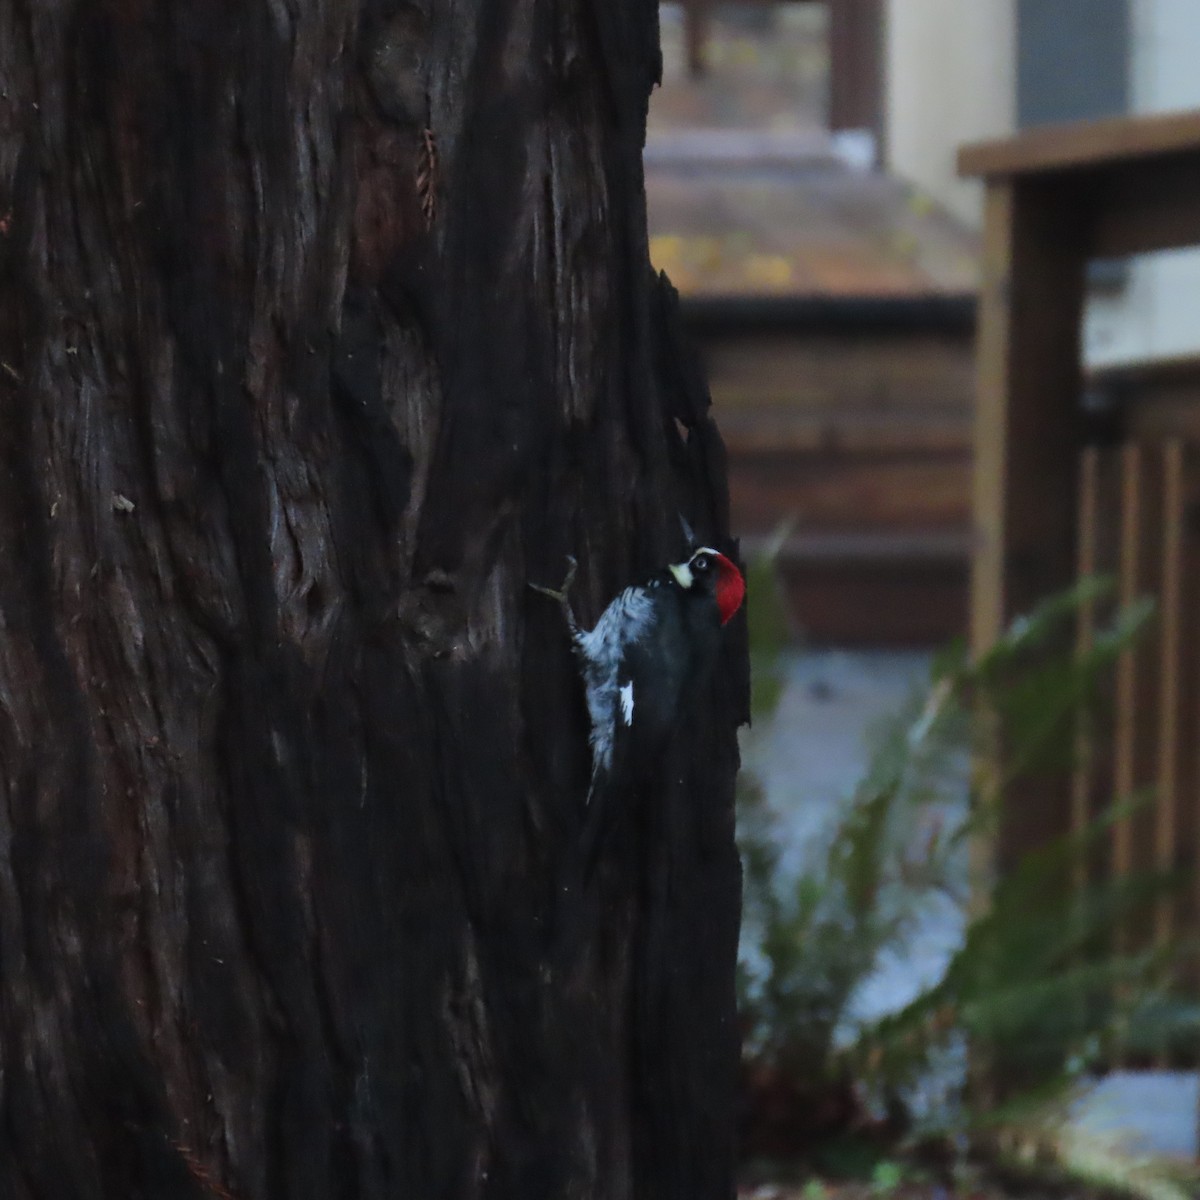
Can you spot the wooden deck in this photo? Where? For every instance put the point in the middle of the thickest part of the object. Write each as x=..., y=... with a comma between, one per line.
x=765, y=226
x=1063, y=488
x=834, y=312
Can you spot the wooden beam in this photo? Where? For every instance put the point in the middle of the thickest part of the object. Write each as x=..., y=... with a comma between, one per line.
x=1028, y=415
x=1140, y=206
x=1181, y=369
x=1027, y=434
x=1083, y=781
x=855, y=71
x=1172, y=708
x=1083, y=144
x=1098, y=555
x=1138, y=728
x=696, y=18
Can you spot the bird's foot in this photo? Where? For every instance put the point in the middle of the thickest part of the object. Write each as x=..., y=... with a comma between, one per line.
x=562, y=595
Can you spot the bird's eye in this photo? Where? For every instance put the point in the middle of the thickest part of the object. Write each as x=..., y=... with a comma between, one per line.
x=701, y=562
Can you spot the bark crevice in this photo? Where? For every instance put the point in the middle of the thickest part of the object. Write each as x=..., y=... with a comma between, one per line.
x=323, y=331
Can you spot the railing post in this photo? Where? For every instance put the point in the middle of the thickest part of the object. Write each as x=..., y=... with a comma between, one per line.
x=1027, y=435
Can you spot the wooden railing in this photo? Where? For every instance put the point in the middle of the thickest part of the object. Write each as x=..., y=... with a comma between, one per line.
x=1055, y=497
x=850, y=420
x=855, y=55
x=1137, y=522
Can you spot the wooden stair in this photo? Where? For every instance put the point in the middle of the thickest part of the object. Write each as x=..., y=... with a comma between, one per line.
x=851, y=420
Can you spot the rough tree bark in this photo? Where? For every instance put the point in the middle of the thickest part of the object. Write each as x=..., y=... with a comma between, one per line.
x=325, y=327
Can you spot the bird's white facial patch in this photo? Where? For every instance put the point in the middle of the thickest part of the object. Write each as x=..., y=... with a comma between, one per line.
x=683, y=574
x=627, y=703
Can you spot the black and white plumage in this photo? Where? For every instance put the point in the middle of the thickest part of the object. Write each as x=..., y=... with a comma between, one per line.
x=646, y=655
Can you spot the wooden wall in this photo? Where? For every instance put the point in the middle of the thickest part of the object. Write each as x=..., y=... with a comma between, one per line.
x=857, y=428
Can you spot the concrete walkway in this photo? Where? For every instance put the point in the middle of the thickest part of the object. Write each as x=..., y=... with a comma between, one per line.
x=810, y=756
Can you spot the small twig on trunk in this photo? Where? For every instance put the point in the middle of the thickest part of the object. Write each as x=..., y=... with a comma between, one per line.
x=200, y=1173
x=427, y=177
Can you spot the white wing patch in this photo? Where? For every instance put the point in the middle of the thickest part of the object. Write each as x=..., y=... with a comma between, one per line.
x=627, y=703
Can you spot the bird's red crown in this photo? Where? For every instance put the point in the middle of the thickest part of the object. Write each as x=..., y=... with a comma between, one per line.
x=727, y=587
x=731, y=588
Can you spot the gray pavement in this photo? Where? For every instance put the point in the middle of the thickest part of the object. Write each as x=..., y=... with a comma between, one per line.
x=810, y=756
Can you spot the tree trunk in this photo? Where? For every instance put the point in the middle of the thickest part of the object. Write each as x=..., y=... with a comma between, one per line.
x=324, y=329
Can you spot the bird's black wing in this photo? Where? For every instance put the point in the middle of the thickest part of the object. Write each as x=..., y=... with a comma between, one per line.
x=640, y=707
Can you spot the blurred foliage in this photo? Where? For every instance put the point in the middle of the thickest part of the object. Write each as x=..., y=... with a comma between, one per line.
x=769, y=630
x=1039, y=987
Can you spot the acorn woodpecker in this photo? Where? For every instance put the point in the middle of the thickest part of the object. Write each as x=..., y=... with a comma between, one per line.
x=647, y=655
